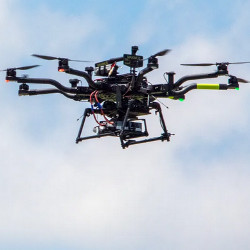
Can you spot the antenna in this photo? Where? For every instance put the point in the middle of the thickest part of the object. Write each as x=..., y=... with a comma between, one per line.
x=134, y=49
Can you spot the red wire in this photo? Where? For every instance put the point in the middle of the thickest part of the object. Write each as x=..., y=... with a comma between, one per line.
x=90, y=99
x=102, y=112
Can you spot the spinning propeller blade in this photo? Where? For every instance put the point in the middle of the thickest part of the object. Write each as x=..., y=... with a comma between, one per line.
x=197, y=64
x=109, y=61
x=162, y=53
x=57, y=58
x=45, y=57
x=210, y=64
x=238, y=63
x=242, y=80
x=27, y=67
x=22, y=68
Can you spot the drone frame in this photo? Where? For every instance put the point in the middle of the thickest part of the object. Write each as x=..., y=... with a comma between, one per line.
x=114, y=85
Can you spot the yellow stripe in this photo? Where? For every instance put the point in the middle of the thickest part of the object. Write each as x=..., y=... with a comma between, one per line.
x=208, y=86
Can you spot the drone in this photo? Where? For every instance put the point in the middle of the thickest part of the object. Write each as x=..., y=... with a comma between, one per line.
x=121, y=100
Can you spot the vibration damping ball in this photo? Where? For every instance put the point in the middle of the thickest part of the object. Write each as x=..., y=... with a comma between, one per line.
x=89, y=70
x=74, y=82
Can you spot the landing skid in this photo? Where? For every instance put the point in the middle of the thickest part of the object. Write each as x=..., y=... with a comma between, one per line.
x=126, y=128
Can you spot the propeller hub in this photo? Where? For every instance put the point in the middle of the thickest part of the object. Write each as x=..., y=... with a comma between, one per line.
x=11, y=73
x=233, y=82
x=63, y=64
x=153, y=62
x=222, y=66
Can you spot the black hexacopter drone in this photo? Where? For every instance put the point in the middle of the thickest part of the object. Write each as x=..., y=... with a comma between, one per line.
x=122, y=98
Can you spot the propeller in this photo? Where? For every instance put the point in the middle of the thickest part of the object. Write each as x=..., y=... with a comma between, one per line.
x=57, y=58
x=160, y=53
x=115, y=60
x=21, y=68
x=109, y=61
x=238, y=79
x=119, y=59
x=210, y=64
x=242, y=80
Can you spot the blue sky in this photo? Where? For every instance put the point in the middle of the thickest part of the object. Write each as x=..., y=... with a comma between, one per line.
x=191, y=193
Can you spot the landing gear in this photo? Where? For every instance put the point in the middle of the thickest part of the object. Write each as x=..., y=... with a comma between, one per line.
x=126, y=127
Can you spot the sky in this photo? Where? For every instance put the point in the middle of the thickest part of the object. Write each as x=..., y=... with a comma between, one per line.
x=190, y=193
